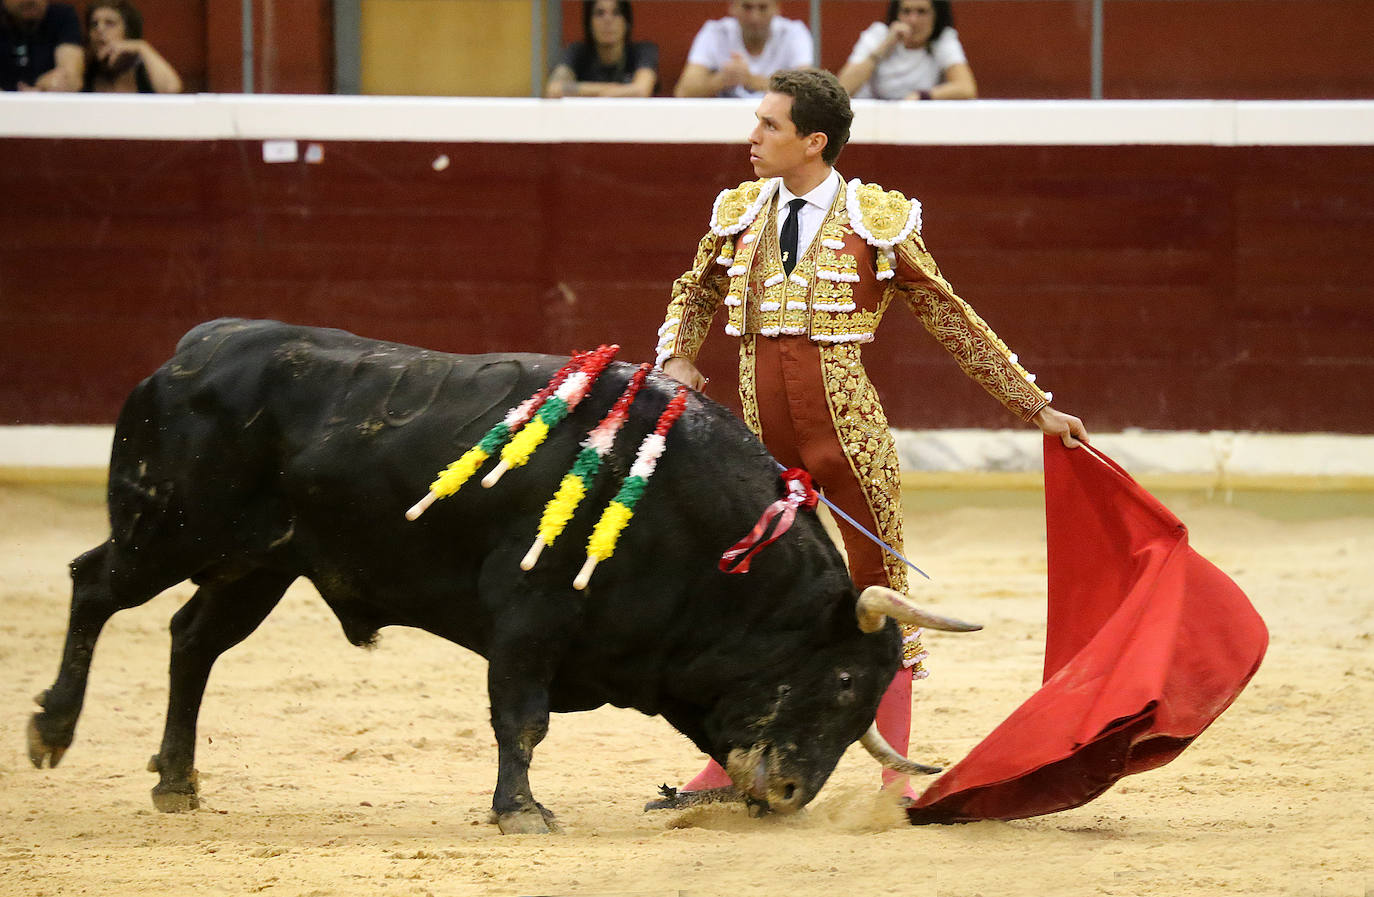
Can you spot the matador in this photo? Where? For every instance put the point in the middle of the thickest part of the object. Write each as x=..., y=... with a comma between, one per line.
x=803, y=298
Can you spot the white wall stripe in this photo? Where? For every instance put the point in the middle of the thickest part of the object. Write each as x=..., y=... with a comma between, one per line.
x=663, y=120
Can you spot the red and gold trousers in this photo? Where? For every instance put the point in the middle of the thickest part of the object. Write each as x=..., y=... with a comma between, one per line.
x=813, y=406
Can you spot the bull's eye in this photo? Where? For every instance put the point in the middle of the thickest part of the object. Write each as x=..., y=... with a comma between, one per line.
x=846, y=682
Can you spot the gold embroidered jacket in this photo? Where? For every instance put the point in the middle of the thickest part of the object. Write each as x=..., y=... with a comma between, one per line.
x=867, y=252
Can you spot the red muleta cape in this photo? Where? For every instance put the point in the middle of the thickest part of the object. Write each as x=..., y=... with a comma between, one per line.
x=1147, y=643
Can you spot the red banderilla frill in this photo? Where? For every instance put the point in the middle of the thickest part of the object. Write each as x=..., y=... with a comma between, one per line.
x=800, y=494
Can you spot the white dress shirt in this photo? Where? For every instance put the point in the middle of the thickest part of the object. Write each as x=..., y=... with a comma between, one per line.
x=818, y=203
x=789, y=46
x=904, y=71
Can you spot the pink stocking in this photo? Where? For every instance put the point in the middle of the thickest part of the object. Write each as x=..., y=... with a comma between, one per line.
x=894, y=721
x=710, y=777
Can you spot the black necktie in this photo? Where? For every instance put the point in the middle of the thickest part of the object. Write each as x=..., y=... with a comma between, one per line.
x=789, y=235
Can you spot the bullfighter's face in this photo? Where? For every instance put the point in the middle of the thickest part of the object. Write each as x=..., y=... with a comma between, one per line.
x=780, y=734
x=776, y=148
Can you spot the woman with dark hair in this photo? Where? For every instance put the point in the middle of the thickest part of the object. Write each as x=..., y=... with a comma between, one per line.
x=607, y=63
x=914, y=55
x=118, y=60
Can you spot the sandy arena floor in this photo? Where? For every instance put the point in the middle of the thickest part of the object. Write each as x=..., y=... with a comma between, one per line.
x=329, y=770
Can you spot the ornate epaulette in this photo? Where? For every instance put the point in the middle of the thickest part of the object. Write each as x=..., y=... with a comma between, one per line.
x=882, y=217
x=737, y=207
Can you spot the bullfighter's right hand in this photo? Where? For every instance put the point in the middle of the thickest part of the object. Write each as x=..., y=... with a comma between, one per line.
x=683, y=371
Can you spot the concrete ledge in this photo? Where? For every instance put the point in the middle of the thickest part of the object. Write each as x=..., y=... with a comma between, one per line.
x=931, y=459
x=1219, y=454
x=983, y=480
x=664, y=120
x=55, y=447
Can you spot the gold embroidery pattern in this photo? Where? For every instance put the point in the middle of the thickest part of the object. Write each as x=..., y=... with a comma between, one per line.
x=884, y=213
x=696, y=297
x=978, y=351
x=868, y=444
x=796, y=292
x=837, y=293
x=867, y=441
x=732, y=205
x=763, y=302
x=835, y=315
x=748, y=394
x=844, y=327
x=838, y=269
x=779, y=304
x=742, y=298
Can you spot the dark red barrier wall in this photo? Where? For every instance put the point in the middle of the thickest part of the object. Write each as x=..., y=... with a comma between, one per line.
x=1159, y=287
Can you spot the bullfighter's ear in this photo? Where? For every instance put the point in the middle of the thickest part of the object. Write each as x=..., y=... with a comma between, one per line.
x=877, y=603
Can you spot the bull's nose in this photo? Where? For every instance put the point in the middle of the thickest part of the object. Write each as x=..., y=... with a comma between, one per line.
x=785, y=796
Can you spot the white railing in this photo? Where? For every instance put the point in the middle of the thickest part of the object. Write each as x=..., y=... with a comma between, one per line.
x=460, y=120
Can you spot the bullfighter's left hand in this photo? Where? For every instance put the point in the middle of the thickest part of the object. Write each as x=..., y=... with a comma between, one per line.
x=1056, y=423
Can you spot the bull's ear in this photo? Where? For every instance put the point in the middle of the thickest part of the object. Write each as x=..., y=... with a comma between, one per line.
x=877, y=603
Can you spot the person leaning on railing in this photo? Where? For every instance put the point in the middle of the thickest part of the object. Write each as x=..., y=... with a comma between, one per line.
x=607, y=63
x=118, y=59
x=914, y=55
x=40, y=46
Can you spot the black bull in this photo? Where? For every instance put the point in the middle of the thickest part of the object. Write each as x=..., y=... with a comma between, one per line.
x=263, y=452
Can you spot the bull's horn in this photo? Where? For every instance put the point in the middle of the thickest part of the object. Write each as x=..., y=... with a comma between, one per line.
x=877, y=603
x=887, y=755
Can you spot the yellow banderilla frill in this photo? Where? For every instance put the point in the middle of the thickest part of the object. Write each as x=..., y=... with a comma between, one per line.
x=517, y=452
x=560, y=508
x=614, y=519
x=458, y=473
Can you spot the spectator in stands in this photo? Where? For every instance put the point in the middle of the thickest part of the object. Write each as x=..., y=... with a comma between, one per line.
x=734, y=56
x=607, y=63
x=40, y=46
x=118, y=60
x=914, y=55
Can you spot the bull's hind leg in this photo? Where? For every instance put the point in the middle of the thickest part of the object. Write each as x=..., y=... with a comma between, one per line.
x=219, y=616
x=100, y=588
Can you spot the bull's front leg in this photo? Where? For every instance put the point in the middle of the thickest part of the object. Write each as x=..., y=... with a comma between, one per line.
x=520, y=718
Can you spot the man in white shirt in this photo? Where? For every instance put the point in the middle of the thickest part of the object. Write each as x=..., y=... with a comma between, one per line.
x=735, y=55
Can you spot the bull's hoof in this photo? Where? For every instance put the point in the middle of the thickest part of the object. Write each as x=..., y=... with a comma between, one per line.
x=175, y=796
x=175, y=800
x=539, y=821
x=523, y=824
x=527, y=823
x=41, y=748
